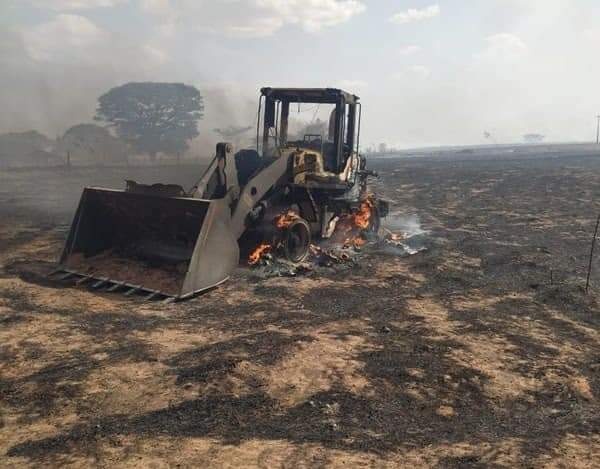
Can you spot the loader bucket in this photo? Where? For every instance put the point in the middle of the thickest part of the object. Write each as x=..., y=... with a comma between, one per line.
x=163, y=246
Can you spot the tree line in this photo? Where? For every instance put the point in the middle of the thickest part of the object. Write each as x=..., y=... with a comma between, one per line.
x=135, y=118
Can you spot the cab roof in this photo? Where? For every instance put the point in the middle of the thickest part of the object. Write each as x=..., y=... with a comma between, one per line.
x=310, y=95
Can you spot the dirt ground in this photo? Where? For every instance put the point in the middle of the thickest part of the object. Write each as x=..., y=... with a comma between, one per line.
x=481, y=351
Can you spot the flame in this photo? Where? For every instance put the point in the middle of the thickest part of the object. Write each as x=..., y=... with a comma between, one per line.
x=357, y=242
x=362, y=218
x=285, y=219
x=258, y=253
x=348, y=227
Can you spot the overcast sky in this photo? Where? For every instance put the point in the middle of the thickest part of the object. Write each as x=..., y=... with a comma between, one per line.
x=428, y=72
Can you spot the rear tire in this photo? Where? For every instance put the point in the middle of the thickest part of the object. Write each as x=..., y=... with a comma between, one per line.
x=296, y=241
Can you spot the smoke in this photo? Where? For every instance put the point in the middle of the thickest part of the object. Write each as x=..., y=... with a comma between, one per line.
x=51, y=90
x=409, y=225
x=225, y=105
x=51, y=103
x=404, y=235
x=47, y=86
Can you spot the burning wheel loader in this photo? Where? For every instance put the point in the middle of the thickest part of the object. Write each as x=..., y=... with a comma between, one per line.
x=164, y=242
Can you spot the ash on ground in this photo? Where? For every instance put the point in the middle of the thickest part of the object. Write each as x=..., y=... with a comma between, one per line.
x=321, y=257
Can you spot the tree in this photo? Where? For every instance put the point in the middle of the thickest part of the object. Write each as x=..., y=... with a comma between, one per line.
x=153, y=117
x=89, y=143
x=29, y=148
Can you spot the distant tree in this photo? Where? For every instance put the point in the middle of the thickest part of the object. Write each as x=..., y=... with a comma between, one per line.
x=29, y=148
x=153, y=117
x=89, y=143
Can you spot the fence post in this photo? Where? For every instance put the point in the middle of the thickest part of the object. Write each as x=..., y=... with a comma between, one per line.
x=587, y=282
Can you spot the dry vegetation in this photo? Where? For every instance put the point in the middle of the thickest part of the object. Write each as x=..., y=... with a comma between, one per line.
x=471, y=354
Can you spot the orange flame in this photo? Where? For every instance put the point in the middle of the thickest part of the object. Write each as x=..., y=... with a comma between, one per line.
x=357, y=242
x=285, y=219
x=362, y=218
x=258, y=253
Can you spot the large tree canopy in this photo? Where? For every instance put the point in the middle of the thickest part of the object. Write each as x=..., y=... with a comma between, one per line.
x=153, y=117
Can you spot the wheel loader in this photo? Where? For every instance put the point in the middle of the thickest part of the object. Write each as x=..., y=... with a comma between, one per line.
x=167, y=243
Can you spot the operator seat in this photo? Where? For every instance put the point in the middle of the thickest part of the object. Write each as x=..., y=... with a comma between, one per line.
x=329, y=157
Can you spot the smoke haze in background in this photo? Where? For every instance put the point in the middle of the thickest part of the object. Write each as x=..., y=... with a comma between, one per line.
x=428, y=72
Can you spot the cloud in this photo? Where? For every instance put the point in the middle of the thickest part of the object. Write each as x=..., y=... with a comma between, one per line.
x=251, y=27
x=503, y=47
x=312, y=15
x=75, y=39
x=251, y=18
x=69, y=5
x=53, y=72
x=413, y=15
x=64, y=36
x=409, y=50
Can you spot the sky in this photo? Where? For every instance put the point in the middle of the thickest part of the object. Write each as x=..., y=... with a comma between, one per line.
x=428, y=72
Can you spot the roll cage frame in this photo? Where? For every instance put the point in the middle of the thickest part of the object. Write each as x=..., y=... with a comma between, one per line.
x=274, y=111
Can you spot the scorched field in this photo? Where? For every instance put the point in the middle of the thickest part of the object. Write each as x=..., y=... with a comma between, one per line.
x=481, y=350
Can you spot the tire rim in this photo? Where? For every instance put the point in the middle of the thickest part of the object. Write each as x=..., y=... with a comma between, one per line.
x=297, y=241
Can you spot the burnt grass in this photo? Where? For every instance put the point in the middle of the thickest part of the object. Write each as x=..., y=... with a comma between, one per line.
x=508, y=246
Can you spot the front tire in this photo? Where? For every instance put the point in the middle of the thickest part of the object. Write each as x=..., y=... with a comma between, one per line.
x=296, y=241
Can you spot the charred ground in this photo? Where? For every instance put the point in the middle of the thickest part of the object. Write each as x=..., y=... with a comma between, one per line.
x=482, y=350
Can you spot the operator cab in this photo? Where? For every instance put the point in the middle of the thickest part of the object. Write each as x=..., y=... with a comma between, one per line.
x=317, y=158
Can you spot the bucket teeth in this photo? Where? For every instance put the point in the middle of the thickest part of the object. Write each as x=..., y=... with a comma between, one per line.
x=116, y=286
x=113, y=286
x=100, y=283
x=83, y=280
x=133, y=290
